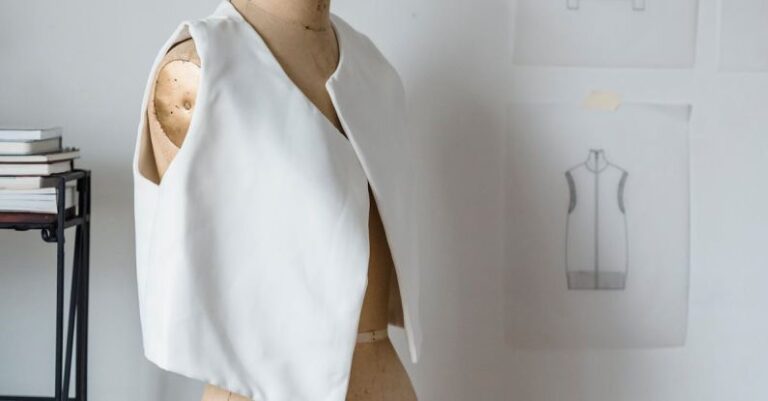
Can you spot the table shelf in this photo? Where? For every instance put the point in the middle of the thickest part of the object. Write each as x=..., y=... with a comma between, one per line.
x=53, y=228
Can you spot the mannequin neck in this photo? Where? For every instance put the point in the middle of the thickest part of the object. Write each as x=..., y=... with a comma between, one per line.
x=311, y=14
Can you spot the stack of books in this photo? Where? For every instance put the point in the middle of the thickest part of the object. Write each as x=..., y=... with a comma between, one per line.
x=28, y=158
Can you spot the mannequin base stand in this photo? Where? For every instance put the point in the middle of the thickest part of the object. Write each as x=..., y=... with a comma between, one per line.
x=52, y=228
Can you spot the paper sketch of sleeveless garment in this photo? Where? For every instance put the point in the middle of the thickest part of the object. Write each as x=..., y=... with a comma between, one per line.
x=596, y=227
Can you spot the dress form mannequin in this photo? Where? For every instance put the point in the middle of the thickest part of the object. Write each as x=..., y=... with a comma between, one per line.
x=301, y=37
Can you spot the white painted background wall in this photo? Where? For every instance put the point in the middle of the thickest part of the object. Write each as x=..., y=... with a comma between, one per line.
x=83, y=64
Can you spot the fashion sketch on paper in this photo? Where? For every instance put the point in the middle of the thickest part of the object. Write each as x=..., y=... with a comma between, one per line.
x=596, y=254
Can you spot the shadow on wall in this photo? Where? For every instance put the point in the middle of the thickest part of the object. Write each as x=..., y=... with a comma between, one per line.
x=456, y=86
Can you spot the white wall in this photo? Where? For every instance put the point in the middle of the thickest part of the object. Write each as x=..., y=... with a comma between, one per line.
x=726, y=355
x=83, y=64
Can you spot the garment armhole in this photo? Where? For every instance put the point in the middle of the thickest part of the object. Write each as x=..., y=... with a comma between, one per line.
x=622, y=184
x=571, y=191
x=144, y=162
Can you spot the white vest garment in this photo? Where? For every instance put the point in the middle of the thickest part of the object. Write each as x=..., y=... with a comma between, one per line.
x=596, y=229
x=252, y=252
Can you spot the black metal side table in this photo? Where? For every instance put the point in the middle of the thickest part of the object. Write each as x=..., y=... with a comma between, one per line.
x=52, y=228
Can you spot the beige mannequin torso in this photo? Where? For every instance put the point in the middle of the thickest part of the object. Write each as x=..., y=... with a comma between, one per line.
x=301, y=37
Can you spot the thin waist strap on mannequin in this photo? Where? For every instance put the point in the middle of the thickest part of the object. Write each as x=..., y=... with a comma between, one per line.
x=372, y=336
